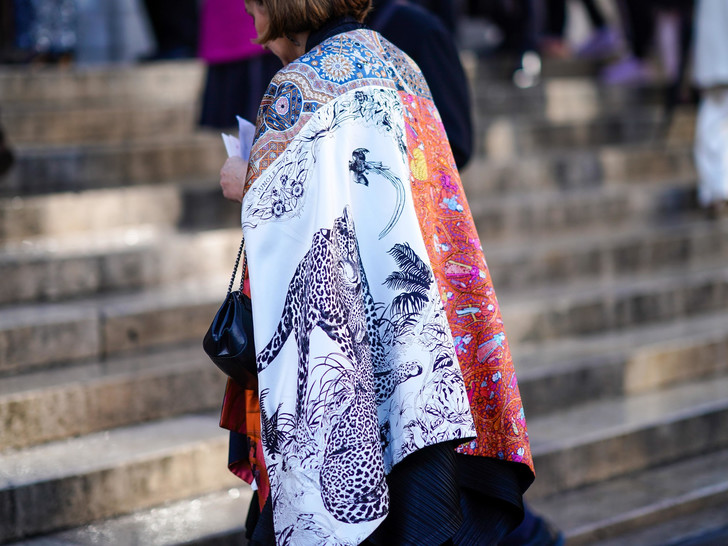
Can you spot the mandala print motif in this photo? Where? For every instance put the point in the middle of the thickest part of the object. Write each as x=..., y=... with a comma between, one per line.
x=337, y=67
x=286, y=108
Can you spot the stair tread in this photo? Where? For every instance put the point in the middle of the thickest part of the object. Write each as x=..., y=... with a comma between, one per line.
x=655, y=492
x=182, y=522
x=107, y=449
x=154, y=82
x=564, y=294
x=159, y=362
x=104, y=242
x=63, y=246
x=498, y=250
x=707, y=527
x=199, y=137
x=186, y=292
x=539, y=359
x=594, y=421
x=202, y=290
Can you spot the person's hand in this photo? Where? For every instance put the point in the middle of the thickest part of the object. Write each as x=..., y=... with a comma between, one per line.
x=232, y=178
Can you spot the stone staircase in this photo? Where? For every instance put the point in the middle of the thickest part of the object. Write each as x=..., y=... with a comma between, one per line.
x=115, y=250
x=614, y=292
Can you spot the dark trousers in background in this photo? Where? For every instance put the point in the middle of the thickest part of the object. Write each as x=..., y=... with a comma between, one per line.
x=641, y=20
x=556, y=16
x=175, y=24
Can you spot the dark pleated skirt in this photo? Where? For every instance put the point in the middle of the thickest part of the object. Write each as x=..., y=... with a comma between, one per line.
x=236, y=88
x=437, y=497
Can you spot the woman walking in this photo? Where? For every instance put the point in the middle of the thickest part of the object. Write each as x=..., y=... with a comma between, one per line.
x=389, y=410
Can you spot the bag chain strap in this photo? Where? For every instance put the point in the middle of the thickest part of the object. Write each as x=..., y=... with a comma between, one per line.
x=241, y=252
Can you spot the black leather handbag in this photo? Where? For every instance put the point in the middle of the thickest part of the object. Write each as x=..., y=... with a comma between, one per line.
x=229, y=340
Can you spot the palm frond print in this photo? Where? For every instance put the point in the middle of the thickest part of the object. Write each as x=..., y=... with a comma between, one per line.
x=414, y=278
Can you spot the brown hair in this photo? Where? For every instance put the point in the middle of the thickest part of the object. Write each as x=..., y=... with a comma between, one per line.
x=288, y=17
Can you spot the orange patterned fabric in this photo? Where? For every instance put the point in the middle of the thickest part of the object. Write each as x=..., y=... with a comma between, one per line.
x=241, y=414
x=466, y=289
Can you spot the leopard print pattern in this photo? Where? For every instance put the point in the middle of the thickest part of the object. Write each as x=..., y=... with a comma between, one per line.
x=329, y=290
x=387, y=381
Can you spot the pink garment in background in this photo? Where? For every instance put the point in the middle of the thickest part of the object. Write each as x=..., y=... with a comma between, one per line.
x=226, y=31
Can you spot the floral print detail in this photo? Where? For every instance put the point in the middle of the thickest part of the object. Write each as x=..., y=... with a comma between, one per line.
x=278, y=209
x=337, y=67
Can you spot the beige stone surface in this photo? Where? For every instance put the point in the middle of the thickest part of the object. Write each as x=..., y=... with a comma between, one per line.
x=210, y=518
x=106, y=474
x=603, y=439
x=161, y=83
x=67, y=402
x=45, y=334
x=656, y=495
x=24, y=218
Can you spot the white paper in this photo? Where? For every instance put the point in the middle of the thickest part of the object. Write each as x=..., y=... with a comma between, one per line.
x=232, y=145
x=241, y=145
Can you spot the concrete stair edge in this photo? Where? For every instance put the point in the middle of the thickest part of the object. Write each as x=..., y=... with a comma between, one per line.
x=622, y=363
x=74, y=482
x=120, y=260
x=69, y=401
x=600, y=440
x=216, y=519
x=623, y=505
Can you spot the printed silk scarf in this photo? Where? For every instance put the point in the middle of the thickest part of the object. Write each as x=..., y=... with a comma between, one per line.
x=376, y=325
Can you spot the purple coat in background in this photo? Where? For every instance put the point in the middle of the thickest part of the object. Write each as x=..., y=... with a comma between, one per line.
x=226, y=31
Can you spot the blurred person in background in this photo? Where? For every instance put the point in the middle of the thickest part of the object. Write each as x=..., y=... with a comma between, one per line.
x=603, y=43
x=7, y=31
x=112, y=31
x=710, y=74
x=44, y=30
x=175, y=24
x=238, y=70
x=404, y=24
x=519, y=23
x=640, y=21
x=7, y=158
x=445, y=10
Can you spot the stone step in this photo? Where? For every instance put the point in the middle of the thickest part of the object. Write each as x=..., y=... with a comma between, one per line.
x=60, y=214
x=61, y=268
x=33, y=336
x=606, y=439
x=164, y=206
x=65, y=402
x=555, y=375
x=74, y=482
x=217, y=519
x=177, y=81
x=598, y=254
x=708, y=527
x=578, y=168
x=44, y=334
x=499, y=67
x=45, y=169
x=64, y=124
x=584, y=308
x=656, y=507
x=548, y=213
x=561, y=99
x=510, y=138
